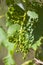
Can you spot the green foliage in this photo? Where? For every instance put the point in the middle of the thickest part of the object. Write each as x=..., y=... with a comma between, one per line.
x=13, y=29
x=9, y=2
x=37, y=44
x=10, y=47
x=30, y=62
x=8, y=60
x=21, y=24
x=39, y=51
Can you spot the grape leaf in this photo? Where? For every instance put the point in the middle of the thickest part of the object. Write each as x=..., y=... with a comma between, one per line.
x=12, y=29
x=8, y=60
x=36, y=44
x=32, y=14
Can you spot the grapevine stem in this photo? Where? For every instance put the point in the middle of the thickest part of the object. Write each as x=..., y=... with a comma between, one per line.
x=38, y=61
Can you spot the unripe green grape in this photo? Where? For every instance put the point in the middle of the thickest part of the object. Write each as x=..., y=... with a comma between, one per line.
x=24, y=38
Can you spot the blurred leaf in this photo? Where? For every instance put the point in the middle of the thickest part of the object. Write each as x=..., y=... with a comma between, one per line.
x=8, y=24
x=8, y=60
x=13, y=28
x=32, y=14
x=11, y=48
x=36, y=45
x=3, y=35
x=39, y=51
x=30, y=62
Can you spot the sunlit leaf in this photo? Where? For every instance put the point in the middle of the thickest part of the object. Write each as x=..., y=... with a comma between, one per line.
x=32, y=14
x=8, y=60
x=13, y=28
x=36, y=44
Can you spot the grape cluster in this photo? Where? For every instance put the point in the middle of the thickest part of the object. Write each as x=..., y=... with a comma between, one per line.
x=23, y=37
x=30, y=30
x=15, y=14
x=31, y=24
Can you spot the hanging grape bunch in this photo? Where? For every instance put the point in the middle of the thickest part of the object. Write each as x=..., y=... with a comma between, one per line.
x=33, y=18
x=20, y=29
x=14, y=15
